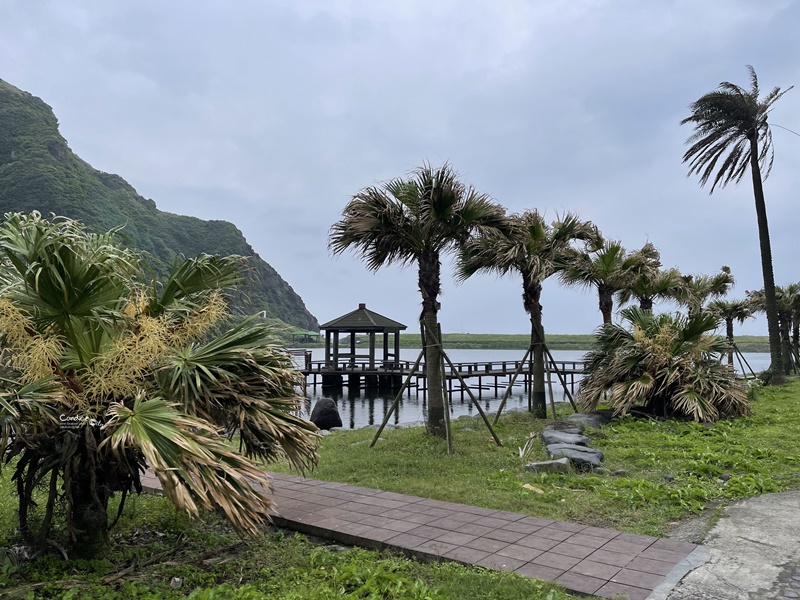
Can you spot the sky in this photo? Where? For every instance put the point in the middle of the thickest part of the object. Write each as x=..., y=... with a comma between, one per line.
x=272, y=114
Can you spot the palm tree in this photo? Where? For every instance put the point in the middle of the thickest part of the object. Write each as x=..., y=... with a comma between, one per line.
x=530, y=247
x=415, y=221
x=106, y=375
x=731, y=122
x=666, y=364
x=730, y=311
x=649, y=285
x=695, y=290
x=787, y=299
x=608, y=268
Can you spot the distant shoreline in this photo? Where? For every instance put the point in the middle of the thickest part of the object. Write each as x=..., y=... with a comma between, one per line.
x=509, y=341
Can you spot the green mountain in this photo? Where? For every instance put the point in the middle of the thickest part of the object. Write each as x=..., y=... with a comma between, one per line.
x=38, y=171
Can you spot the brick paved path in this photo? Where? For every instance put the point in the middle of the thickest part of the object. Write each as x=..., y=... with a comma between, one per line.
x=583, y=559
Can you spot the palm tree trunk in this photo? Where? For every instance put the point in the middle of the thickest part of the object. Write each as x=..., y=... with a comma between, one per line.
x=729, y=335
x=429, y=287
x=606, y=301
x=784, y=326
x=531, y=294
x=771, y=304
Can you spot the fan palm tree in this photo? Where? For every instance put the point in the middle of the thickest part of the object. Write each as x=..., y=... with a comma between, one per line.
x=106, y=375
x=730, y=124
x=415, y=221
x=787, y=299
x=695, y=290
x=649, y=285
x=531, y=247
x=666, y=364
x=608, y=268
x=730, y=311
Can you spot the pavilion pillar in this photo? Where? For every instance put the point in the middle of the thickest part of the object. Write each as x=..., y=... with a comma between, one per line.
x=335, y=350
x=328, y=333
x=397, y=348
x=371, y=350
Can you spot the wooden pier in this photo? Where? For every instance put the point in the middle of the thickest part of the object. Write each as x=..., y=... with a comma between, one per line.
x=487, y=375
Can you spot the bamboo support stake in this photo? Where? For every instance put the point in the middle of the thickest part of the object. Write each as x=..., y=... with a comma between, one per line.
x=550, y=387
x=397, y=398
x=446, y=398
x=510, y=385
x=561, y=378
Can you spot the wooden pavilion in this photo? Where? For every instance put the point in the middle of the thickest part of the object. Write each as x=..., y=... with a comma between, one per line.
x=350, y=360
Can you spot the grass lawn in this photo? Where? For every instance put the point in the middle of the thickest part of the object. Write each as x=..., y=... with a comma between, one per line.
x=153, y=544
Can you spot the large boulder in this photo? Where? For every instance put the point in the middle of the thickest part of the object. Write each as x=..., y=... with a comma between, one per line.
x=559, y=465
x=566, y=426
x=588, y=419
x=325, y=414
x=551, y=436
x=581, y=457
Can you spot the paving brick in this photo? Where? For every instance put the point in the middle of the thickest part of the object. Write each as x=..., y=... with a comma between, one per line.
x=466, y=555
x=637, y=578
x=595, y=569
x=582, y=584
x=474, y=528
x=536, y=521
x=435, y=547
x=406, y=540
x=491, y=522
x=428, y=532
x=665, y=555
x=590, y=541
x=519, y=527
x=673, y=545
x=600, y=532
x=519, y=552
x=572, y=550
x=532, y=541
x=421, y=518
x=612, y=590
x=453, y=537
x=486, y=544
x=501, y=563
x=564, y=526
x=648, y=565
x=616, y=545
x=535, y=571
x=608, y=557
x=504, y=535
x=557, y=561
x=558, y=535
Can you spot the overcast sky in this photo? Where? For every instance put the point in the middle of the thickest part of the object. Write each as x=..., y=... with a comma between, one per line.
x=272, y=114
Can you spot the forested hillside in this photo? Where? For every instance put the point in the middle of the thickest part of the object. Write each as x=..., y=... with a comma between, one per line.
x=38, y=171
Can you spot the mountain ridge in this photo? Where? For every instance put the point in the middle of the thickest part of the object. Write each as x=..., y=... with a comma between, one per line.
x=38, y=171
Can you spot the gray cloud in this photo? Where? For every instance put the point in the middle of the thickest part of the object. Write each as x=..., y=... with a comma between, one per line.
x=272, y=114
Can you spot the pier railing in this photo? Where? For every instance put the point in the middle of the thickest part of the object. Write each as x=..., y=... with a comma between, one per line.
x=465, y=369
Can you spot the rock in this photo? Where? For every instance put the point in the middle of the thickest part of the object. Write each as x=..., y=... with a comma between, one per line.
x=589, y=420
x=566, y=427
x=176, y=582
x=325, y=414
x=324, y=432
x=560, y=465
x=551, y=436
x=725, y=477
x=336, y=429
x=600, y=470
x=581, y=457
x=619, y=473
x=668, y=477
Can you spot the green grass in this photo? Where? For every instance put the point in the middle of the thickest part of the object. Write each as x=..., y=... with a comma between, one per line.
x=754, y=451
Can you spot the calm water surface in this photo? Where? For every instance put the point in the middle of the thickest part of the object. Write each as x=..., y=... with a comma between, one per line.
x=361, y=407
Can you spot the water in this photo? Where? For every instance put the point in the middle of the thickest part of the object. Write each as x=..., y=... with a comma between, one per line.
x=362, y=407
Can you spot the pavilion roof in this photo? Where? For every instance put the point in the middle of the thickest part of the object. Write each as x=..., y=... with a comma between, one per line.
x=363, y=319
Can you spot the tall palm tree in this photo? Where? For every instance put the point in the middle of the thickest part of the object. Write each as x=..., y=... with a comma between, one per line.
x=415, y=221
x=649, y=285
x=608, y=268
x=730, y=311
x=695, y=290
x=105, y=375
x=531, y=247
x=730, y=123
